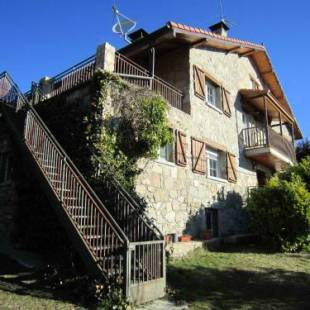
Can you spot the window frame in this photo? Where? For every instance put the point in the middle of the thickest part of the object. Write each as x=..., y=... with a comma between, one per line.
x=216, y=154
x=172, y=156
x=254, y=83
x=216, y=105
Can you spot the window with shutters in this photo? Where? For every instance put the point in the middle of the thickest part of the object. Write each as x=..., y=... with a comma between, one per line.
x=214, y=163
x=209, y=89
x=231, y=168
x=166, y=153
x=180, y=149
x=213, y=95
x=198, y=156
x=5, y=168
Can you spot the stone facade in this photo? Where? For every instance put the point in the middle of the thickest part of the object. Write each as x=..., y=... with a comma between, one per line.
x=178, y=197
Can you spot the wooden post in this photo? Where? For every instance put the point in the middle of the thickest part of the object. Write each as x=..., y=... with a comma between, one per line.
x=266, y=120
x=152, y=61
x=152, y=65
x=281, y=129
x=293, y=133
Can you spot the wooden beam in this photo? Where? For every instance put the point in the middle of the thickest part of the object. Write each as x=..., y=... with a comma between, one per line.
x=267, y=72
x=248, y=53
x=233, y=49
x=199, y=42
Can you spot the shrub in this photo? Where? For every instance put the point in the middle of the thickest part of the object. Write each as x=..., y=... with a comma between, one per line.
x=302, y=169
x=303, y=149
x=280, y=212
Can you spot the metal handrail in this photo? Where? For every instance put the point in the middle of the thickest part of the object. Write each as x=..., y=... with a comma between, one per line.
x=10, y=92
x=136, y=209
x=73, y=68
x=135, y=74
x=101, y=234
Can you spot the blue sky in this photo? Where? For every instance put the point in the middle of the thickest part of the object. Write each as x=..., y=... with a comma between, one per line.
x=41, y=38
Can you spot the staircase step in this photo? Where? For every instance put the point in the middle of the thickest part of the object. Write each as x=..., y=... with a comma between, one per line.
x=55, y=181
x=80, y=217
x=71, y=198
x=87, y=226
x=63, y=189
x=99, y=248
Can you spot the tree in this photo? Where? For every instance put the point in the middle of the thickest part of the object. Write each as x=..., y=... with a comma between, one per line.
x=303, y=149
x=280, y=211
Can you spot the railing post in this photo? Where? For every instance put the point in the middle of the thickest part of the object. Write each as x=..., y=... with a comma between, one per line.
x=164, y=261
x=127, y=271
x=63, y=172
x=266, y=119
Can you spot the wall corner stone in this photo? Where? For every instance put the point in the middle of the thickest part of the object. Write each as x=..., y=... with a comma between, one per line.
x=105, y=57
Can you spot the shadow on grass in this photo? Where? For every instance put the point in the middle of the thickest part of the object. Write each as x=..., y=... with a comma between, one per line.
x=43, y=283
x=237, y=289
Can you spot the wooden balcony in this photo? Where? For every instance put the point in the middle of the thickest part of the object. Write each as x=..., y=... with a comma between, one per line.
x=264, y=145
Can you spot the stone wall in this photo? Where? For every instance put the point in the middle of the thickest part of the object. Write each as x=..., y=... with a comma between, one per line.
x=178, y=197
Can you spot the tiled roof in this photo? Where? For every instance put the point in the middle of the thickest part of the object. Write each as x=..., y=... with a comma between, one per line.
x=212, y=34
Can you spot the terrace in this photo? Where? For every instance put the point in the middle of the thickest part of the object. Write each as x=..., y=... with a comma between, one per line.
x=124, y=67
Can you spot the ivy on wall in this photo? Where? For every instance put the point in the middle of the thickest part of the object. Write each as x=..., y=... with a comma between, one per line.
x=110, y=129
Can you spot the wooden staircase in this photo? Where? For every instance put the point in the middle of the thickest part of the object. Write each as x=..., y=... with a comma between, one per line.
x=120, y=241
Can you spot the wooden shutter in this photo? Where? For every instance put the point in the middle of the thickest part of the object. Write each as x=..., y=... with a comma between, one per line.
x=180, y=149
x=198, y=156
x=199, y=83
x=231, y=168
x=226, y=102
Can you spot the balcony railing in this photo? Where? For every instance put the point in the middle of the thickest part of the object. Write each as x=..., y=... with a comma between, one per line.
x=124, y=67
x=259, y=137
x=137, y=75
x=70, y=78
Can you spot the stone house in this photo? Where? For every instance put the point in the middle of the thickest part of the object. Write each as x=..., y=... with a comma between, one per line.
x=234, y=130
x=232, y=123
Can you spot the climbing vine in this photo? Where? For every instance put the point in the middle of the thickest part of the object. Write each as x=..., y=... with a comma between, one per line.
x=111, y=130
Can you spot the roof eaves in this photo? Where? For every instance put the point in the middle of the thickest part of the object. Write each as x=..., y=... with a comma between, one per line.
x=194, y=30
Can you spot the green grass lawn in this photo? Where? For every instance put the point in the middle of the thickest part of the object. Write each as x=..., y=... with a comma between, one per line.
x=241, y=279
x=231, y=279
x=19, y=290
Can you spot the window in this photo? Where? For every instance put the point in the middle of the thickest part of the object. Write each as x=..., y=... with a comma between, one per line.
x=212, y=94
x=166, y=152
x=214, y=163
x=254, y=83
x=4, y=167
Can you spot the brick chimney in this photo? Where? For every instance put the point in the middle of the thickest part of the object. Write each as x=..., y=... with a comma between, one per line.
x=220, y=28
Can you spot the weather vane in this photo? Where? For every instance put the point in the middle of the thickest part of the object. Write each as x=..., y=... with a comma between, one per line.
x=123, y=25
